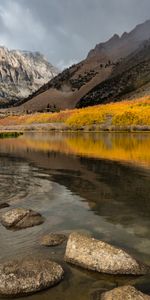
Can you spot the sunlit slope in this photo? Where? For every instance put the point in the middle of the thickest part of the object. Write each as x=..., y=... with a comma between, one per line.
x=125, y=113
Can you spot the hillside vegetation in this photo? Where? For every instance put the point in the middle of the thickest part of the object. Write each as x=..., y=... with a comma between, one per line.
x=109, y=116
x=124, y=113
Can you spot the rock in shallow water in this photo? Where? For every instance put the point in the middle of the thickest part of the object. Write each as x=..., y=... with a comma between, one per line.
x=124, y=293
x=21, y=277
x=96, y=255
x=20, y=218
x=52, y=239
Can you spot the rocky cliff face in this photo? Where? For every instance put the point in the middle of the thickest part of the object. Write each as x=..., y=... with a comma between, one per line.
x=22, y=73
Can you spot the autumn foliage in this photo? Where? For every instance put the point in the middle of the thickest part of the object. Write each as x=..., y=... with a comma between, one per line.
x=125, y=113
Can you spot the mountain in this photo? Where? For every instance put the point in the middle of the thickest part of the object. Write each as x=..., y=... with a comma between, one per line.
x=73, y=86
x=130, y=78
x=119, y=47
x=22, y=73
x=68, y=87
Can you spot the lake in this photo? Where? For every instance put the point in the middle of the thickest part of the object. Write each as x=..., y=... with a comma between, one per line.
x=92, y=183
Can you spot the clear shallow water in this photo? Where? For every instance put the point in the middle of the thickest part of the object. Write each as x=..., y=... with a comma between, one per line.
x=94, y=183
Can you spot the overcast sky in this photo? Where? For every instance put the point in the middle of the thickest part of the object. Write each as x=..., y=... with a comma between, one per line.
x=65, y=30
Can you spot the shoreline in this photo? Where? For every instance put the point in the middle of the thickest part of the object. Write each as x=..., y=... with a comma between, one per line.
x=62, y=127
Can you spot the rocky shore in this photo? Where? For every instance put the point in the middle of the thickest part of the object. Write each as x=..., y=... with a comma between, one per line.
x=28, y=275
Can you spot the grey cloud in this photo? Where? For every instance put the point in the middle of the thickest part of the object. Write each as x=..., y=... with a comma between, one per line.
x=65, y=30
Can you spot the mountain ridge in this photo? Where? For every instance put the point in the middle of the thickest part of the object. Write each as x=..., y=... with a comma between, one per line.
x=21, y=73
x=121, y=46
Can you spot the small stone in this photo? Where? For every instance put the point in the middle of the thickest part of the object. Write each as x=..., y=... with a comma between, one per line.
x=52, y=239
x=20, y=218
x=124, y=293
x=23, y=277
x=102, y=257
x=4, y=205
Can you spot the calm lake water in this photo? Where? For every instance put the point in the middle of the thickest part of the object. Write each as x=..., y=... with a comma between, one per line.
x=97, y=183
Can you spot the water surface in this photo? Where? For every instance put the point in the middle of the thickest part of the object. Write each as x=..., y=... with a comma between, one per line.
x=97, y=183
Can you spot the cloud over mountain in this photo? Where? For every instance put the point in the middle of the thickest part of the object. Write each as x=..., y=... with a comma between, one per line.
x=64, y=30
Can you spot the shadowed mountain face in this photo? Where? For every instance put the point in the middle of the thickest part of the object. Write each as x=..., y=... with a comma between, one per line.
x=107, y=60
x=130, y=78
x=22, y=73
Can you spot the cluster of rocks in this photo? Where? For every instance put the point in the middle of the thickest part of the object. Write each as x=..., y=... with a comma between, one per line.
x=25, y=276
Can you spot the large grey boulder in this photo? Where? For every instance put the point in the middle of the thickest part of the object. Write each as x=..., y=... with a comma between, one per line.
x=20, y=218
x=52, y=239
x=124, y=293
x=22, y=277
x=96, y=255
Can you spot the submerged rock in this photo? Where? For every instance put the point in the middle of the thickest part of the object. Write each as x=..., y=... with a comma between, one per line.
x=53, y=239
x=20, y=218
x=4, y=205
x=21, y=277
x=99, y=256
x=124, y=293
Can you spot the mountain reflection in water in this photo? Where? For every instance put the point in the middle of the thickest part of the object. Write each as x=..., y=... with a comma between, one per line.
x=126, y=147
